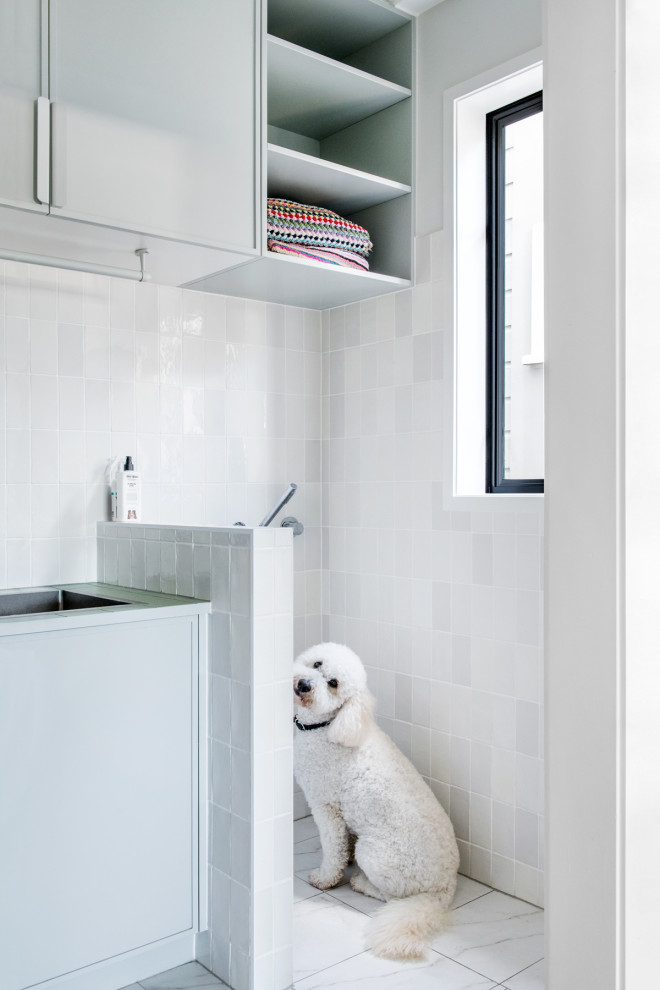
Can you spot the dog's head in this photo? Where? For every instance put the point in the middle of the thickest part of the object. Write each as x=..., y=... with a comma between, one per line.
x=330, y=683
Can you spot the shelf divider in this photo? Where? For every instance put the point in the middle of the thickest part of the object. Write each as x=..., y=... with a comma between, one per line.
x=306, y=179
x=294, y=282
x=313, y=95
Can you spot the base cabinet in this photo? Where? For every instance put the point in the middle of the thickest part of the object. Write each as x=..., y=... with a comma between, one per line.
x=98, y=819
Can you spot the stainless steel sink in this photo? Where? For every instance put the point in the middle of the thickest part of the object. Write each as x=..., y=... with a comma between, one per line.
x=52, y=600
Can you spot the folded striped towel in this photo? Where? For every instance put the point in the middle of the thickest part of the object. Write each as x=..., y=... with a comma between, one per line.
x=314, y=226
x=330, y=256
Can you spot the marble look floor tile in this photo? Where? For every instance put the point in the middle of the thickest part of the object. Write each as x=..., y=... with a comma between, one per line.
x=310, y=843
x=190, y=976
x=495, y=935
x=532, y=978
x=324, y=933
x=346, y=894
x=468, y=890
x=306, y=856
x=303, y=890
x=369, y=973
x=304, y=828
x=133, y=986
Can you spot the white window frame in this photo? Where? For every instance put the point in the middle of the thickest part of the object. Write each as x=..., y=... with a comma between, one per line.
x=465, y=109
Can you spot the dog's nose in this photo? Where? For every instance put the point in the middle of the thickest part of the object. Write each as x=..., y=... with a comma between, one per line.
x=303, y=686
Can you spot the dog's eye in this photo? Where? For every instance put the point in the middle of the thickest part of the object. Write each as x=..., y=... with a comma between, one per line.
x=332, y=683
x=318, y=664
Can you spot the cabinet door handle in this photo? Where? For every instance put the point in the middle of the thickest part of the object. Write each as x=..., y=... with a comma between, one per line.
x=42, y=177
x=58, y=154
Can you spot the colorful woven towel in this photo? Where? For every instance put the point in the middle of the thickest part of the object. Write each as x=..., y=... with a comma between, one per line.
x=314, y=226
x=329, y=256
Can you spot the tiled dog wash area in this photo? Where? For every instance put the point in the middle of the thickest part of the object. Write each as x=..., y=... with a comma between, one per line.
x=222, y=401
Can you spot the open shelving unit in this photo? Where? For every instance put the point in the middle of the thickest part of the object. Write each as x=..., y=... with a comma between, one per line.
x=337, y=134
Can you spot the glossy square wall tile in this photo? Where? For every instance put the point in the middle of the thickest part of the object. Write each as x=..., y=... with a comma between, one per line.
x=469, y=581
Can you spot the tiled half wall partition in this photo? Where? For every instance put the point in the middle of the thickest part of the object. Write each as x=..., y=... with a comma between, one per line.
x=246, y=574
x=444, y=604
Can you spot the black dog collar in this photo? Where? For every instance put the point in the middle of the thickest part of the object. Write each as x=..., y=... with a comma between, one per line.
x=306, y=728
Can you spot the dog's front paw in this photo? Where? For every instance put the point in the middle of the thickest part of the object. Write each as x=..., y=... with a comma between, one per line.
x=319, y=878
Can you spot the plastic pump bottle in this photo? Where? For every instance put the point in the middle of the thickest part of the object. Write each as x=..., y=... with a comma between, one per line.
x=126, y=498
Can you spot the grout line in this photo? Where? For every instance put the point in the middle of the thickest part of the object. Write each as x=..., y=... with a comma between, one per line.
x=486, y=975
x=525, y=968
x=472, y=900
x=496, y=985
x=470, y=969
x=328, y=968
x=303, y=876
x=303, y=900
x=344, y=904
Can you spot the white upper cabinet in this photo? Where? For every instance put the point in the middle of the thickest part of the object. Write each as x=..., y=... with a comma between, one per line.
x=153, y=117
x=21, y=84
x=131, y=125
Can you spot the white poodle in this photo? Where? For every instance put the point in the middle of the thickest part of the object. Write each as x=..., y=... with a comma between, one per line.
x=360, y=787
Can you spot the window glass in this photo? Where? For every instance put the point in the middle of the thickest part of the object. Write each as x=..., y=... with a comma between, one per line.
x=515, y=297
x=523, y=300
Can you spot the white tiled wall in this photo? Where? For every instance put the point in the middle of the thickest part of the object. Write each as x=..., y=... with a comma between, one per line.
x=216, y=398
x=246, y=574
x=444, y=606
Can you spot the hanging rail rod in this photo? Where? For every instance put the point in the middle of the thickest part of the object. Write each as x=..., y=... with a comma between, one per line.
x=78, y=266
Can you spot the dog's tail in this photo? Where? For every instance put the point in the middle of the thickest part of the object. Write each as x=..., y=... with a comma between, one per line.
x=403, y=927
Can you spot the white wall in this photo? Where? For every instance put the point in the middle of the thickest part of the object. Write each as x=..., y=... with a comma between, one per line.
x=603, y=536
x=457, y=40
x=583, y=495
x=642, y=481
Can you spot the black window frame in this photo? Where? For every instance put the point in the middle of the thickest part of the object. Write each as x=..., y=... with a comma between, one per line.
x=496, y=121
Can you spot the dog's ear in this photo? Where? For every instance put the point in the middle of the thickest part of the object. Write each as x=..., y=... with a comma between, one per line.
x=353, y=720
